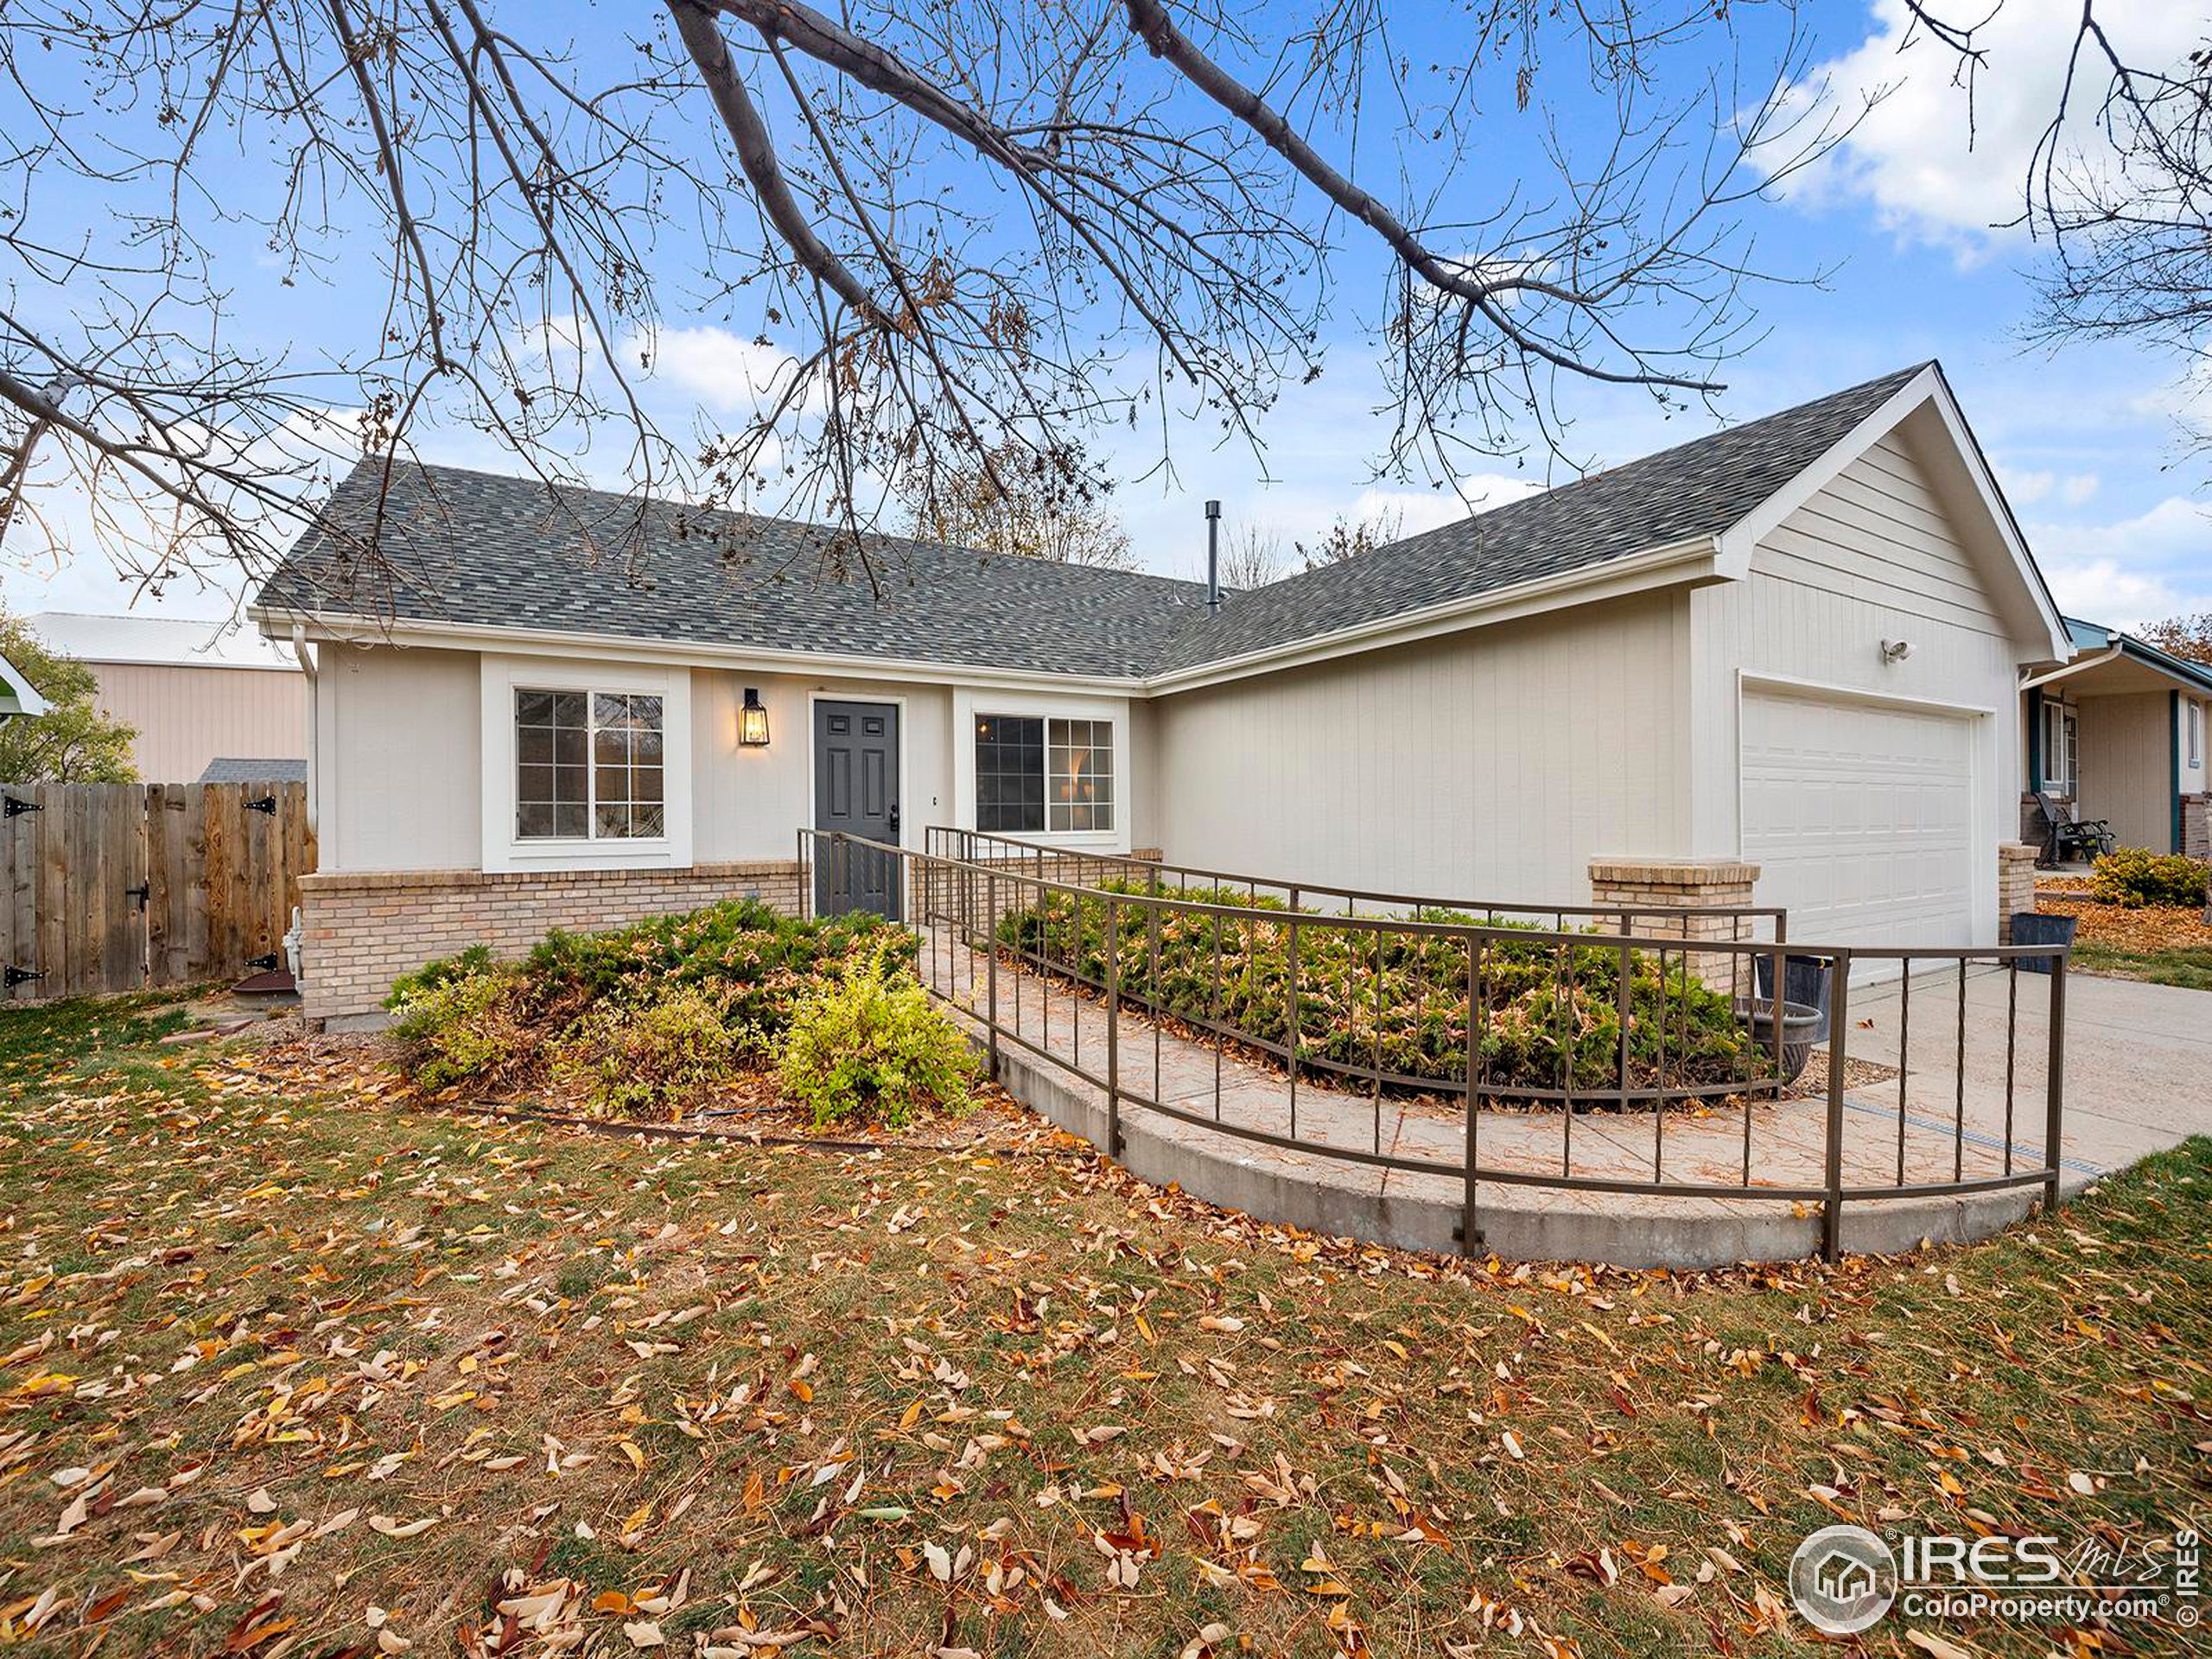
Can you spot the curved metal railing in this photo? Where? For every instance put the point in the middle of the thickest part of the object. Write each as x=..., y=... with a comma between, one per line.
x=1140, y=971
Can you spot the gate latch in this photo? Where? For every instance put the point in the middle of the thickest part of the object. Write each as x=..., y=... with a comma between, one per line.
x=11, y=976
x=16, y=809
x=143, y=893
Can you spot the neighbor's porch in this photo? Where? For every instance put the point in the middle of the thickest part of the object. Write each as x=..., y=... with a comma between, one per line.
x=2114, y=738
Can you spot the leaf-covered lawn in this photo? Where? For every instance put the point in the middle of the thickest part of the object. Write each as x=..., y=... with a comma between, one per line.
x=2163, y=945
x=291, y=1366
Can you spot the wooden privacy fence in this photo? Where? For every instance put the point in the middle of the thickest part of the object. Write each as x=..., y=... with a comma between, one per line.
x=118, y=887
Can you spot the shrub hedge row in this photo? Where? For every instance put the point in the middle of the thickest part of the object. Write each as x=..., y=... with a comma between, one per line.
x=1551, y=1013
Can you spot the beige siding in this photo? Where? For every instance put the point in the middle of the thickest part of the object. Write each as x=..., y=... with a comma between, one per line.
x=187, y=716
x=1493, y=763
x=396, y=785
x=1872, y=557
x=2127, y=774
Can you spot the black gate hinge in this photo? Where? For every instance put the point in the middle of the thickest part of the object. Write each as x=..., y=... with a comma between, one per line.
x=16, y=809
x=11, y=976
x=268, y=964
x=266, y=803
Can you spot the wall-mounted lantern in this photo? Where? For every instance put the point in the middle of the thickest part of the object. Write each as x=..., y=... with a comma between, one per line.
x=752, y=720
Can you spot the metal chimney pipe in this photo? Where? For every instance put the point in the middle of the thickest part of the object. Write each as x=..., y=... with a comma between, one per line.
x=1213, y=557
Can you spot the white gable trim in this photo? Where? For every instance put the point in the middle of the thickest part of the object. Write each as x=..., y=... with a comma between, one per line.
x=1928, y=387
x=17, y=694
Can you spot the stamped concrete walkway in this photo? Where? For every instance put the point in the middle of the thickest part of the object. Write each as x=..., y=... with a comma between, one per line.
x=1940, y=1135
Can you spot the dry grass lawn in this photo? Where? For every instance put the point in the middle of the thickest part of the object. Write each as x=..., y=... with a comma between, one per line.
x=290, y=1366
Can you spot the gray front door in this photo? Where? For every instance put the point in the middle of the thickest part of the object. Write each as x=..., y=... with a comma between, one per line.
x=856, y=791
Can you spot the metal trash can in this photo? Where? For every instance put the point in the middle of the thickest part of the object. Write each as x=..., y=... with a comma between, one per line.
x=1805, y=985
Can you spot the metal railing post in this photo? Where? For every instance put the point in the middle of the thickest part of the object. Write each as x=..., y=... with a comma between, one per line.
x=805, y=876
x=1113, y=1028
x=2055, y=1084
x=1471, y=1232
x=1838, y=1042
x=991, y=949
x=1290, y=1046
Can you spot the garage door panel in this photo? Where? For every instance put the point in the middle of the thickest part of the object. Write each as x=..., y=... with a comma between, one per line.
x=1860, y=818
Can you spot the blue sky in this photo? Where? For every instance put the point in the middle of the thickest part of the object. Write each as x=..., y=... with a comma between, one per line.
x=2083, y=439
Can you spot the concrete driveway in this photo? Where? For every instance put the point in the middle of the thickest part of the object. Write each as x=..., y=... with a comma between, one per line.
x=2138, y=1060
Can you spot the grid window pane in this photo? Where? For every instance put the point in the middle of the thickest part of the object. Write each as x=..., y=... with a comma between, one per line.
x=1009, y=773
x=588, y=764
x=551, y=780
x=1082, y=774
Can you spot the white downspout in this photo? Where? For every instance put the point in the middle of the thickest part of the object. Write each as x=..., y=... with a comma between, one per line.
x=315, y=722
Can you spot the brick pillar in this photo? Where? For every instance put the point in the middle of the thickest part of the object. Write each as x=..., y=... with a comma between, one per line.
x=2016, y=883
x=1651, y=891
x=2196, y=825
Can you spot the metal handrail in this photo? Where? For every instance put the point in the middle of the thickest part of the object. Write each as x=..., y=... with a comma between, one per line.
x=1188, y=874
x=981, y=888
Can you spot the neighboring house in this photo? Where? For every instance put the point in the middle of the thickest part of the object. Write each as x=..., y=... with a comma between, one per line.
x=245, y=769
x=1796, y=645
x=192, y=690
x=18, y=697
x=2118, y=733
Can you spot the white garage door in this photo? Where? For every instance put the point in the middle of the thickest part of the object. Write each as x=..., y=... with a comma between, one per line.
x=1860, y=818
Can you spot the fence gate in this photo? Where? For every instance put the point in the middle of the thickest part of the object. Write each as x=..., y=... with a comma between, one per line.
x=118, y=887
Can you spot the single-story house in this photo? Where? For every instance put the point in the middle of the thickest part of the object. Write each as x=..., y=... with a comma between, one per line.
x=1781, y=663
x=2118, y=733
x=192, y=690
x=17, y=694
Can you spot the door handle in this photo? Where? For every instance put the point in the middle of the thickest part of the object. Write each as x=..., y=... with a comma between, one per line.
x=894, y=817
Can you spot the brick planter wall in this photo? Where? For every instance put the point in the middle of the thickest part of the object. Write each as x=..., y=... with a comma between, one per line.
x=2016, y=883
x=2196, y=825
x=1689, y=886
x=361, y=932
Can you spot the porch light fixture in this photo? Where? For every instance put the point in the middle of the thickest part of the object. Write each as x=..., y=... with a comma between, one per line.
x=1896, y=651
x=752, y=720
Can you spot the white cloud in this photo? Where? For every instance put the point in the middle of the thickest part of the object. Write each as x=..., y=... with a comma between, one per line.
x=2024, y=489
x=1939, y=171
x=724, y=370
x=2132, y=570
x=2078, y=488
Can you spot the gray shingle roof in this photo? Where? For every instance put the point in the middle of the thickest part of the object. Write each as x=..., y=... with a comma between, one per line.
x=1698, y=488
x=486, y=550
x=235, y=769
x=496, y=552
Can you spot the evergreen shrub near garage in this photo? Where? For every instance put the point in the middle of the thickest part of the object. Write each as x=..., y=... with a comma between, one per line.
x=646, y=1021
x=2136, y=878
x=1551, y=1012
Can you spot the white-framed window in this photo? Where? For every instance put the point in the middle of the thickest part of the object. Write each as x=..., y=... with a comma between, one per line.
x=585, y=765
x=2060, y=741
x=1044, y=773
x=589, y=766
x=2195, y=734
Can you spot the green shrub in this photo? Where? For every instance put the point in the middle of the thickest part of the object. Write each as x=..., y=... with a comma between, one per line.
x=465, y=1025
x=655, y=1059
x=868, y=1046
x=1551, y=1013
x=432, y=976
x=2135, y=877
x=757, y=959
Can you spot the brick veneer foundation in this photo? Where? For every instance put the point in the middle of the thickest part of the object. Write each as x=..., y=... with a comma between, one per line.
x=1689, y=887
x=361, y=931
x=2196, y=825
x=2016, y=883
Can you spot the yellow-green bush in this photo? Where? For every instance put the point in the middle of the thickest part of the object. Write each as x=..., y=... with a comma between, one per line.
x=465, y=1024
x=2135, y=877
x=870, y=1047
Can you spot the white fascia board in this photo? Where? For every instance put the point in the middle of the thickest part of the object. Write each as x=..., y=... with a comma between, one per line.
x=22, y=697
x=341, y=628
x=1929, y=386
x=1682, y=563
x=2072, y=669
